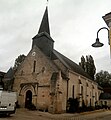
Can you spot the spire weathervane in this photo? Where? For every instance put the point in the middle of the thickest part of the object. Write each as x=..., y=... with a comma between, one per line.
x=47, y=3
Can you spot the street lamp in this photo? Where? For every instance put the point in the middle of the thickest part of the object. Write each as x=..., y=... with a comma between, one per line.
x=98, y=43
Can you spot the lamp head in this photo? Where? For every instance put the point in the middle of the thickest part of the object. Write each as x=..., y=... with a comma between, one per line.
x=97, y=43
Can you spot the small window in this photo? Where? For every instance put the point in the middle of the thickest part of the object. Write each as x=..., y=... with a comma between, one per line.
x=96, y=96
x=73, y=92
x=34, y=66
x=86, y=84
x=81, y=90
x=105, y=102
x=90, y=93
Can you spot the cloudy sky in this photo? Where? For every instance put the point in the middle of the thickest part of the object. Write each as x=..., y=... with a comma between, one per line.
x=73, y=25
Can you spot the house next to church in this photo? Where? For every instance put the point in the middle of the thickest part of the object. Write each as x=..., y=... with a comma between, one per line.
x=47, y=78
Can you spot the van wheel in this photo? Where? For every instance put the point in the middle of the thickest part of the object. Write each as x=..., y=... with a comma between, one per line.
x=8, y=114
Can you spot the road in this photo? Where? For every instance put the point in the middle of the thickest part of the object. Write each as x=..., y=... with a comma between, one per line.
x=23, y=114
x=103, y=115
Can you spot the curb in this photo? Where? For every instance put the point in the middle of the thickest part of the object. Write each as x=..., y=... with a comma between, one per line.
x=90, y=112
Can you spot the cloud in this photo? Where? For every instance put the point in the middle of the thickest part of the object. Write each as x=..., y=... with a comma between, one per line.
x=73, y=24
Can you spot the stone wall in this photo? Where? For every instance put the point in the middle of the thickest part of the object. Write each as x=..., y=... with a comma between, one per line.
x=41, y=76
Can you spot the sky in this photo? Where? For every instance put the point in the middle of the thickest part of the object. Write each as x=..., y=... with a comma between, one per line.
x=73, y=27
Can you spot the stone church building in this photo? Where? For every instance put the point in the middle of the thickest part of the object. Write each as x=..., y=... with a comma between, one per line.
x=47, y=78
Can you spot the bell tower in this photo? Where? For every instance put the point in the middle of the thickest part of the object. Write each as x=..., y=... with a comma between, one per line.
x=43, y=39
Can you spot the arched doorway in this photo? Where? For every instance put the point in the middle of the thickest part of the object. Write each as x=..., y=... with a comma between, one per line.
x=28, y=99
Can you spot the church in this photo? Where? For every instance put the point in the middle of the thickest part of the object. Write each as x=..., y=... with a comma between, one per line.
x=47, y=78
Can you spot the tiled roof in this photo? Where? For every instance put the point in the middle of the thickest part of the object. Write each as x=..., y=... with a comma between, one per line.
x=9, y=74
x=70, y=64
x=2, y=73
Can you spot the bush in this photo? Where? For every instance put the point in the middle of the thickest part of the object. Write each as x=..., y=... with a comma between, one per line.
x=72, y=105
x=104, y=106
x=97, y=107
x=90, y=108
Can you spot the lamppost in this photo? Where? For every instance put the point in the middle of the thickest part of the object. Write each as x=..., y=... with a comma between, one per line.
x=98, y=43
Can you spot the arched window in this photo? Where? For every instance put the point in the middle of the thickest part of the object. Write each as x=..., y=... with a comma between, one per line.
x=82, y=90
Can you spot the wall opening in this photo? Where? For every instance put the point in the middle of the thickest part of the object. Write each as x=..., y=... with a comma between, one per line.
x=34, y=66
x=73, y=92
x=28, y=99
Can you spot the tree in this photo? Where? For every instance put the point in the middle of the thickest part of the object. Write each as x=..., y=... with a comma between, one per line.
x=88, y=65
x=82, y=63
x=72, y=105
x=18, y=61
x=103, y=78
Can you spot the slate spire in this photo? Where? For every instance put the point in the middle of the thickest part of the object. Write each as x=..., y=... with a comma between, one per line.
x=44, y=27
x=43, y=39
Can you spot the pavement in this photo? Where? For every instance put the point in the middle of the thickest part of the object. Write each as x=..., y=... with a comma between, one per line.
x=73, y=116
x=24, y=114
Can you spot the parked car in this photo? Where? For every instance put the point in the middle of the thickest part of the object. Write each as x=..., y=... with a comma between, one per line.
x=7, y=102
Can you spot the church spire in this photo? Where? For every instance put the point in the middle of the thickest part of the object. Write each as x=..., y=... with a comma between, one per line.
x=43, y=40
x=44, y=27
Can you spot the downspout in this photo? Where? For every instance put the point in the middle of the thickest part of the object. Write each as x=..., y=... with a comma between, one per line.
x=67, y=95
x=67, y=78
x=67, y=89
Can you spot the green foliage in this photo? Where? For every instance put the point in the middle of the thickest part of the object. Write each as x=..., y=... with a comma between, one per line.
x=103, y=78
x=82, y=63
x=88, y=65
x=72, y=105
x=18, y=61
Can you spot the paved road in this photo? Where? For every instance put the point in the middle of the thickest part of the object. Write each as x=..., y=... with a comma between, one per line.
x=23, y=114
x=103, y=115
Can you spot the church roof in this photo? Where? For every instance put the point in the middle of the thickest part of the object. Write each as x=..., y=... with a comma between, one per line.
x=2, y=74
x=44, y=27
x=107, y=18
x=70, y=64
x=9, y=74
x=43, y=34
x=45, y=30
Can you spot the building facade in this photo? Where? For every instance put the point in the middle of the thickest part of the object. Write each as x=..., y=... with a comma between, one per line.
x=105, y=98
x=47, y=79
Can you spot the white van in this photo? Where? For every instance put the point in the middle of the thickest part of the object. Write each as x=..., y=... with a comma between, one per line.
x=7, y=102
